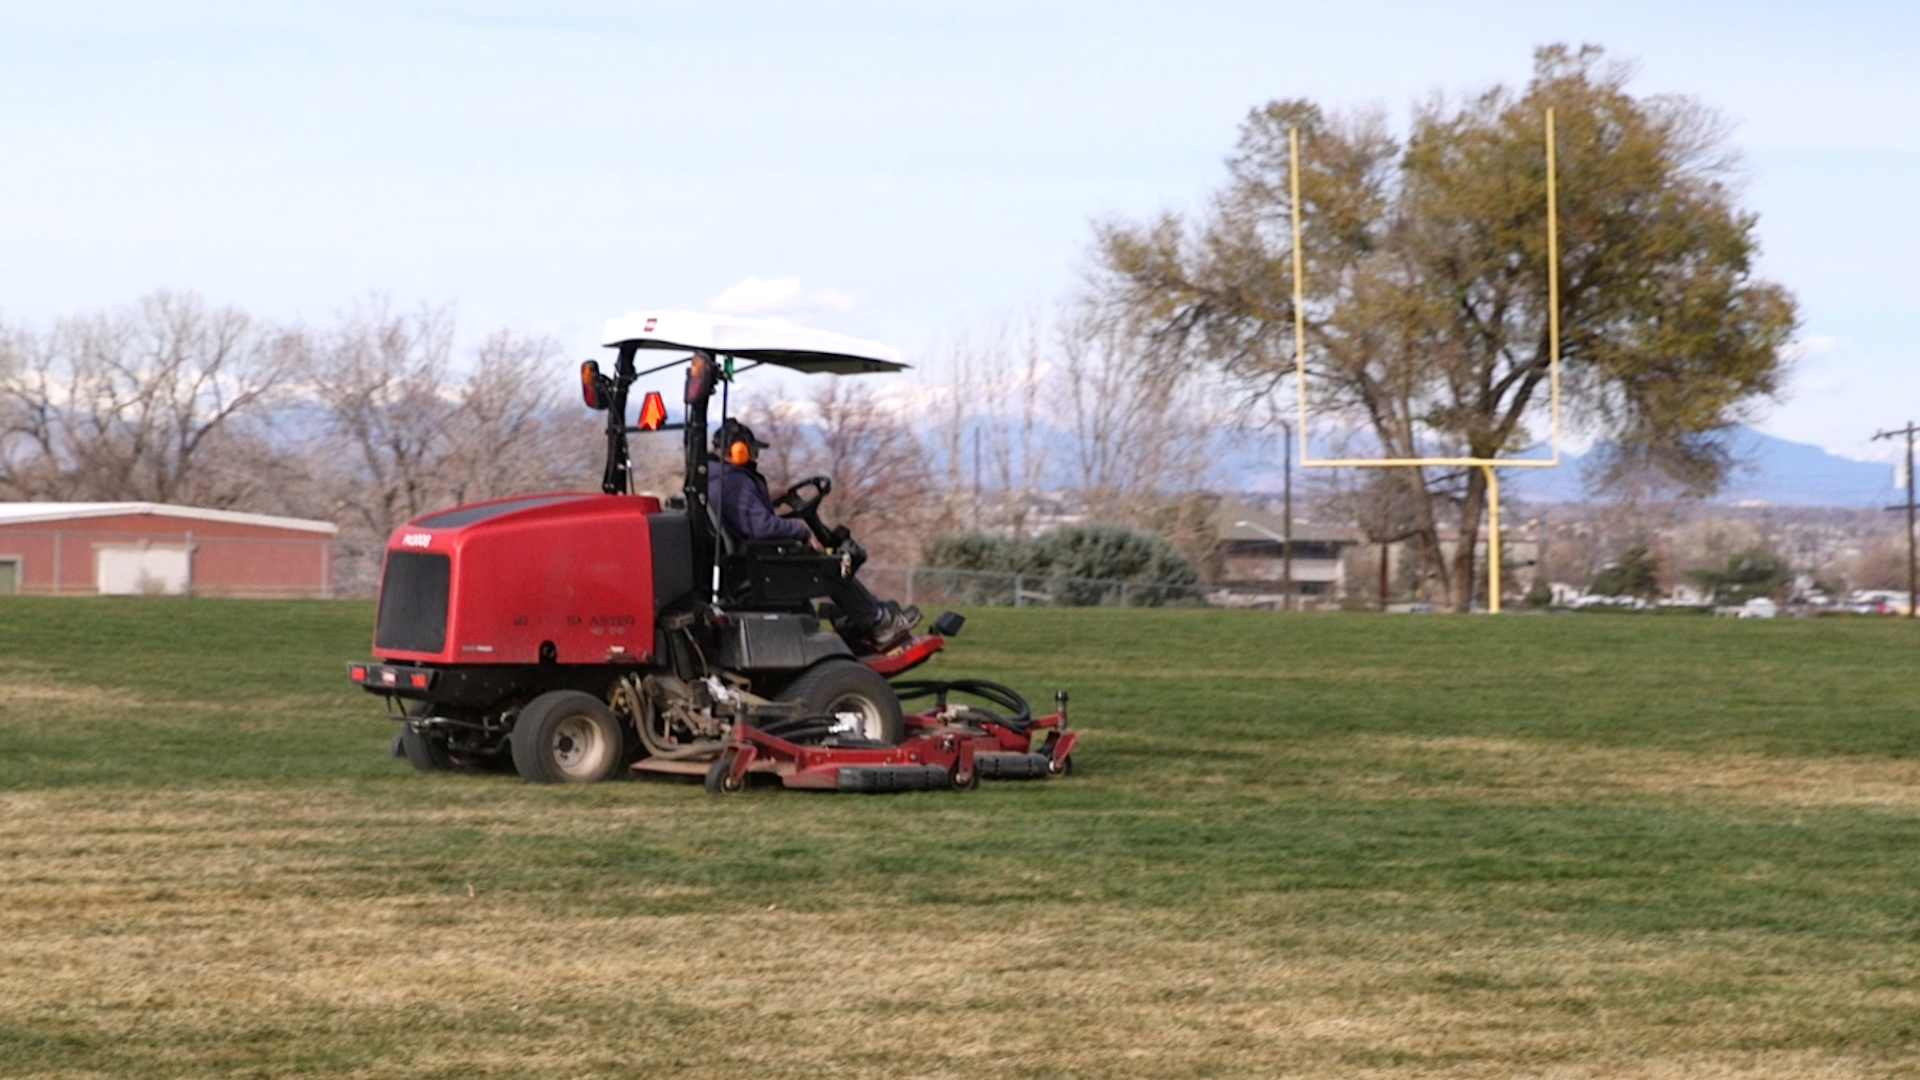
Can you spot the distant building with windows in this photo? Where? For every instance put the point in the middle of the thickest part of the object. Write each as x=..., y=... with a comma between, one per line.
x=1253, y=546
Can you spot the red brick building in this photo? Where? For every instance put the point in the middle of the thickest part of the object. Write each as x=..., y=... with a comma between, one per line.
x=106, y=549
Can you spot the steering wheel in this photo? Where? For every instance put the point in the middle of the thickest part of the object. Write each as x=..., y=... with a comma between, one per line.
x=802, y=501
x=799, y=504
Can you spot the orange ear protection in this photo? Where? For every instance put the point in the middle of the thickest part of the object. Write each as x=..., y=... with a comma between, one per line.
x=739, y=453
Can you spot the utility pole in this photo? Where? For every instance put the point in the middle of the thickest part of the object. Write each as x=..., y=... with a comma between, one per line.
x=1913, y=568
x=976, y=480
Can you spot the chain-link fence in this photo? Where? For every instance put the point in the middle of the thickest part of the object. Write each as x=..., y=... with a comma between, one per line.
x=357, y=569
x=74, y=562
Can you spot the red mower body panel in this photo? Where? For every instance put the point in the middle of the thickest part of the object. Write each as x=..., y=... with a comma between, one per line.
x=556, y=579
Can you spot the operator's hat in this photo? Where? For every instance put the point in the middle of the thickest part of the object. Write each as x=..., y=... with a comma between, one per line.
x=733, y=431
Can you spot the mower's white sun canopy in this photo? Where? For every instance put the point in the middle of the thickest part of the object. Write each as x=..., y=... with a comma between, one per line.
x=793, y=347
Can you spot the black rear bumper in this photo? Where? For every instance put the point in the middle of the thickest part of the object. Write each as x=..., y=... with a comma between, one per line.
x=396, y=680
x=482, y=686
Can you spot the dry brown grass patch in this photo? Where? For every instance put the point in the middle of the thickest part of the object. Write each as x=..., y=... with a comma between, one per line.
x=177, y=924
x=23, y=695
x=1496, y=768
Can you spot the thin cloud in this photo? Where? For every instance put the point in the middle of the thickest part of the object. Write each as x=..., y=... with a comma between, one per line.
x=1814, y=345
x=778, y=296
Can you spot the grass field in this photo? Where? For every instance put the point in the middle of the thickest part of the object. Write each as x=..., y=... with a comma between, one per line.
x=1315, y=846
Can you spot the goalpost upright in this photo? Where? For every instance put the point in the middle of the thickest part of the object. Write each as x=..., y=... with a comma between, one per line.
x=1487, y=466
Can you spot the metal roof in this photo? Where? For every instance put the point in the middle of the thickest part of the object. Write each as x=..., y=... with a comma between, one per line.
x=25, y=513
x=788, y=346
x=1264, y=527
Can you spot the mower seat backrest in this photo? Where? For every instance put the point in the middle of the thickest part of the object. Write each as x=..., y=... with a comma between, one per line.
x=671, y=539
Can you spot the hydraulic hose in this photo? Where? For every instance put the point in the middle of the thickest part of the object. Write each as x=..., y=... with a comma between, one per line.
x=1020, y=716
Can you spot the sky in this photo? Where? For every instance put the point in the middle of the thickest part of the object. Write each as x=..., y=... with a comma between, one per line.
x=901, y=171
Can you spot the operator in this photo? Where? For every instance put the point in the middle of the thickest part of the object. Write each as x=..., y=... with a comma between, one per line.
x=735, y=486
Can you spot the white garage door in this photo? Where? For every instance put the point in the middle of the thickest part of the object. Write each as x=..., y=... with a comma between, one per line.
x=142, y=570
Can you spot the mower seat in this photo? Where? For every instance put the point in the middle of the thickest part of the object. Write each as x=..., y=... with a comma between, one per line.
x=777, y=575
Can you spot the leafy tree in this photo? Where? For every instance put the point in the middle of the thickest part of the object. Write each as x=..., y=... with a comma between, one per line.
x=1427, y=282
x=1749, y=574
x=1634, y=573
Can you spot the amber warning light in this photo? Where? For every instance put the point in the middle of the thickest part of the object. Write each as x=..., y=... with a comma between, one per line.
x=592, y=387
x=653, y=412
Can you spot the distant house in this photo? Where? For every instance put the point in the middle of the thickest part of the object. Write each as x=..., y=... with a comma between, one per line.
x=131, y=548
x=1254, y=545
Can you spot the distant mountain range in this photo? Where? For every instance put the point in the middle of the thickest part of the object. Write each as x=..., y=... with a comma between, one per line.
x=1769, y=470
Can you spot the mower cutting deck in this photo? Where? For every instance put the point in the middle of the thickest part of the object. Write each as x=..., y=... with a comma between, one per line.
x=953, y=745
x=583, y=637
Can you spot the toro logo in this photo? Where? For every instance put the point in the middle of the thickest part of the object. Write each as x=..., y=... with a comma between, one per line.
x=649, y=327
x=417, y=540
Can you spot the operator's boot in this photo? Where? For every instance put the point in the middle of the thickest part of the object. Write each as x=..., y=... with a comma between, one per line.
x=895, y=626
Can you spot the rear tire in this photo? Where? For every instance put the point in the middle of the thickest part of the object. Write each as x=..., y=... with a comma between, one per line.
x=839, y=687
x=567, y=737
x=425, y=752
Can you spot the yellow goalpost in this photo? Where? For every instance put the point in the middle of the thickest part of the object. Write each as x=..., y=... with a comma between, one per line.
x=1486, y=465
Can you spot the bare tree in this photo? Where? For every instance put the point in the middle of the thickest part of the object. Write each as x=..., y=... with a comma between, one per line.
x=259, y=464
x=882, y=484
x=382, y=378
x=510, y=433
x=1881, y=563
x=1145, y=434
x=1016, y=385
x=131, y=404
x=993, y=429
x=1140, y=425
x=410, y=435
x=1385, y=505
x=1135, y=436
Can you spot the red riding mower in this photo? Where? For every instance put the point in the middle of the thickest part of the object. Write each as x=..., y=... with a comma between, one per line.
x=583, y=636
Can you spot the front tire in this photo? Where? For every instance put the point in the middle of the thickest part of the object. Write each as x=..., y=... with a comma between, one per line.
x=843, y=688
x=719, y=779
x=567, y=737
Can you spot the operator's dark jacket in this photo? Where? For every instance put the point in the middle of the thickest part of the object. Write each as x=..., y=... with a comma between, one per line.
x=746, y=510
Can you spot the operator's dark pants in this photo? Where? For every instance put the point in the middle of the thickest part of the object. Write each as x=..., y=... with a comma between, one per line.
x=859, y=611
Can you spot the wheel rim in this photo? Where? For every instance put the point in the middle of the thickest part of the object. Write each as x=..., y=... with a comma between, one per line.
x=578, y=747
x=869, y=723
